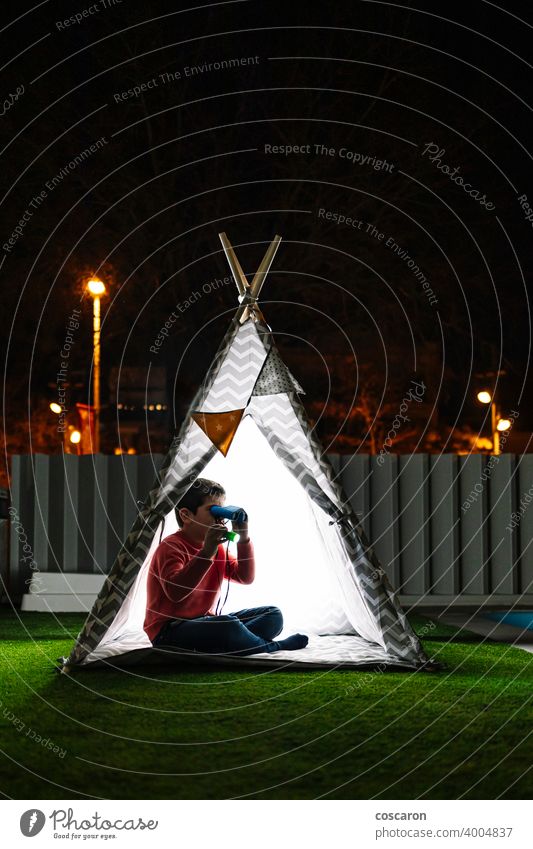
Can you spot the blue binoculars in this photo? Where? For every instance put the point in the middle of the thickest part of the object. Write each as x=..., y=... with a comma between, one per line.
x=236, y=514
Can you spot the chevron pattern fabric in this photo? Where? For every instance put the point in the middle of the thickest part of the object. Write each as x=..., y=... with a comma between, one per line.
x=191, y=455
x=238, y=372
x=274, y=415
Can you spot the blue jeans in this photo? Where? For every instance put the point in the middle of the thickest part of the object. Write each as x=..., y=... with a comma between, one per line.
x=244, y=632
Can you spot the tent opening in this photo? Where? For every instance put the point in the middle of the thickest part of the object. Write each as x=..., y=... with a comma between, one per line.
x=298, y=569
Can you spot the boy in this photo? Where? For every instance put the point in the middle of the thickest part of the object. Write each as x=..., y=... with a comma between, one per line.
x=184, y=584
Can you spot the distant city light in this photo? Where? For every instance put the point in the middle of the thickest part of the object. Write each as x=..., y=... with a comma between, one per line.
x=75, y=437
x=484, y=397
x=503, y=424
x=56, y=408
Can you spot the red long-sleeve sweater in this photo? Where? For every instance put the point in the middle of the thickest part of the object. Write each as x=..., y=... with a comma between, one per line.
x=174, y=564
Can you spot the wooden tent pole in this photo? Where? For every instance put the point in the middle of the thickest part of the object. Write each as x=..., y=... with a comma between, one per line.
x=264, y=268
x=238, y=274
x=246, y=289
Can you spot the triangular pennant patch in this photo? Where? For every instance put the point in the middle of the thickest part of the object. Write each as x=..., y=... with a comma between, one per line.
x=275, y=378
x=219, y=427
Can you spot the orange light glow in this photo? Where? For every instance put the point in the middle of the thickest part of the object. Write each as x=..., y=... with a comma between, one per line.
x=95, y=286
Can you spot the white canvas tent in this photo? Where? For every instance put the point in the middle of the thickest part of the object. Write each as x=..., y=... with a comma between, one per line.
x=313, y=559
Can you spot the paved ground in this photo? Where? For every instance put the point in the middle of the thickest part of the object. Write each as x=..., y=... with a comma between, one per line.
x=497, y=631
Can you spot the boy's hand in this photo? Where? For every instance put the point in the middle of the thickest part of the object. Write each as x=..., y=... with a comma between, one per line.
x=241, y=528
x=214, y=536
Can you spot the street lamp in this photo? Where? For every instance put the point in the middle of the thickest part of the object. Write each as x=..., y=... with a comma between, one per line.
x=497, y=424
x=96, y=288
x=63, y=428
x=74, y=437
x=503, y=424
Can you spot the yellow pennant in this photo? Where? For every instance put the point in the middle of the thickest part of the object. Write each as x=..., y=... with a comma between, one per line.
x=219, y=427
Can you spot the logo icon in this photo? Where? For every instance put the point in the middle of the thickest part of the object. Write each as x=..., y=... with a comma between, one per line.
x=32, y=822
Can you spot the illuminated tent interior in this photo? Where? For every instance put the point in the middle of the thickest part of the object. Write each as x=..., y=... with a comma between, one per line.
x=248, y=430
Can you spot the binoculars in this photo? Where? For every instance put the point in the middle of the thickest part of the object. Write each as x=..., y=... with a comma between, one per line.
x=235, y=514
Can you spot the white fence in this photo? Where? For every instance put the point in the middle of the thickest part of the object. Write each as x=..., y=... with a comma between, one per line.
x=71, y=514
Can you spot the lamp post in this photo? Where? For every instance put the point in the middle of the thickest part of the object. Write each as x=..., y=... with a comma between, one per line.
x=75, y=438
x=57, y=409
x=71, y=435
x=497, y=423
x=96, y=288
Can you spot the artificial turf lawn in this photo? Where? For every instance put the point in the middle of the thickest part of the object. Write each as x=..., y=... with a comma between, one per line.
x=197, y=734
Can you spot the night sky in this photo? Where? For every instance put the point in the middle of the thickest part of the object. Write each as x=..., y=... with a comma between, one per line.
x=387, y=143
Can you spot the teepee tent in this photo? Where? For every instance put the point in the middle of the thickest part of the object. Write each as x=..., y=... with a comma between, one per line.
x=248, y=429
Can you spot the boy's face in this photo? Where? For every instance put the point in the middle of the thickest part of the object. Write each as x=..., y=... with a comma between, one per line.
x=196, y=524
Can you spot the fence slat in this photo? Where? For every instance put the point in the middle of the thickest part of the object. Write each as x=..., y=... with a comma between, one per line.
x=100, y=514
x=56, y=479
x=474, y=526
x=18, y=515
x=41, y=515
x=117, y=531
x=12, y=577
x=355, y=479
x=86, y=529
x=501, y=489
x=444, y=524
x=130, y=465
x=524, y=531
x=384, y=535
x=414, y=524
x=148, y=467
x=71, y=510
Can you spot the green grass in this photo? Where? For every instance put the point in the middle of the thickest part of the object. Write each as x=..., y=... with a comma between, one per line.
x=263, y=735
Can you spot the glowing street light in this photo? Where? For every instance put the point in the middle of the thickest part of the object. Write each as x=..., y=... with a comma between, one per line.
x=74, y=440
x=497, y=424
x=96, y=289
x=56, y=408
